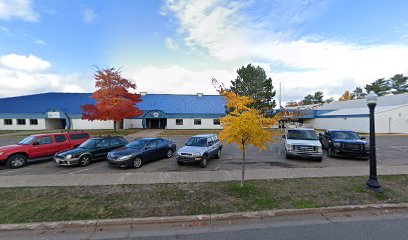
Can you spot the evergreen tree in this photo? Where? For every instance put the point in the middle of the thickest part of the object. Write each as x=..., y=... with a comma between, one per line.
x=317, y=97
x=380, y=86
x=253, y=82
x=399, y=84
x=358, y=93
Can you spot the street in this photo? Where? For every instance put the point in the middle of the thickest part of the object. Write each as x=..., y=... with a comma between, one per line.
x=373, y=225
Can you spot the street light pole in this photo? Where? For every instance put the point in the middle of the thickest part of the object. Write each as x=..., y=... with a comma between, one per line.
x=372, y=182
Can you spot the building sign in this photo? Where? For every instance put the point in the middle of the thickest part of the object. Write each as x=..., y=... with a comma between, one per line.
x=53, y=115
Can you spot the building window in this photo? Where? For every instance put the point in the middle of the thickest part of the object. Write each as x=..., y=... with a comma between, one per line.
x=179, y=121
x=21, y=122
x=216, y=121
x=33, y=121
x=8, y=121
x=197, y=121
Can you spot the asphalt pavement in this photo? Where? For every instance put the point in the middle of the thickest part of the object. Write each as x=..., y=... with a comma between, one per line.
x=363, y=225
x=391, y=151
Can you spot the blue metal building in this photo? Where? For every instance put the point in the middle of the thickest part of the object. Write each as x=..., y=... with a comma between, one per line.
x=63, y=110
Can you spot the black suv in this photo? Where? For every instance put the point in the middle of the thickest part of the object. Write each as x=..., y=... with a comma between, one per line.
x=344, y=143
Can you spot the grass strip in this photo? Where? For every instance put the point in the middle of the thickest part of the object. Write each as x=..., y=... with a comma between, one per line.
x=37, y=204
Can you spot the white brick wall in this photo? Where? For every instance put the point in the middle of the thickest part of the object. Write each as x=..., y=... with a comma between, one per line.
x=79, y=124
x=188, y=123
x=27, y=126
x=132, y=123
x=392, y=121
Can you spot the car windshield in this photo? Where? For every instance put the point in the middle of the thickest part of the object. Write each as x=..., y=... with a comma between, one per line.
x=139, y=143
x=197, y=142
x=345, y=135
x=27, y=140
x=302, y=135
x=90, y=143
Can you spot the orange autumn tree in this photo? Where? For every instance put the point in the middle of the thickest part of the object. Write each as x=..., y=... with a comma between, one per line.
x=113, y=100
x=245, y=126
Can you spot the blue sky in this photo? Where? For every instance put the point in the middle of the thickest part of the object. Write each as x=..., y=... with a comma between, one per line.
x=177, y=46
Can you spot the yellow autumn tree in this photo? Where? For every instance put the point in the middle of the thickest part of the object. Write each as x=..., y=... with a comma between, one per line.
x=245, y=126
x=346, y=96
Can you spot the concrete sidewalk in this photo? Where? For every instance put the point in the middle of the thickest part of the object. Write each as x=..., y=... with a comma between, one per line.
x=185, y=177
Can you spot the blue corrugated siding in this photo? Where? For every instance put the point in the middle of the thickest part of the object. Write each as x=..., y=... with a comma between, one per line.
x=70, y=103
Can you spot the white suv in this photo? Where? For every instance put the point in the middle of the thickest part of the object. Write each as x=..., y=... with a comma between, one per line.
x=302, y=142
x=199, y=149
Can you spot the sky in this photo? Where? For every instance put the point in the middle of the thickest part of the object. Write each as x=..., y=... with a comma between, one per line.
x=178, y=46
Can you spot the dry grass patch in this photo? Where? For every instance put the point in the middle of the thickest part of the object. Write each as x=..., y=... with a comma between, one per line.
x=36, y=204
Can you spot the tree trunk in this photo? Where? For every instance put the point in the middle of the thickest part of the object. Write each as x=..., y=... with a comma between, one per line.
x=114, y=125
x=243, y=167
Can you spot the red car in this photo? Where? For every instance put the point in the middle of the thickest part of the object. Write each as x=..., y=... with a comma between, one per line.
x=40, y=147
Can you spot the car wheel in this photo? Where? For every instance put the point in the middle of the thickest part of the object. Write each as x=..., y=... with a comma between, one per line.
x=16, y=161
x=287, y=156
x=137, y=162
x=169, y=153
x=204, y=162
x=218, y=155
x=84, y=160
x=180, y=163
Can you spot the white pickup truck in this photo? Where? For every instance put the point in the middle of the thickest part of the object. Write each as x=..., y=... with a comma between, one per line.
x=302, y=143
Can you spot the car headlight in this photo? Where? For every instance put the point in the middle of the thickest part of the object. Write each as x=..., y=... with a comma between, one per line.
x=125, y=157
x=319, y=149
x=1, y=153
x=196, y=154
x=336, y=144
x=69, y=156
x=289, y=146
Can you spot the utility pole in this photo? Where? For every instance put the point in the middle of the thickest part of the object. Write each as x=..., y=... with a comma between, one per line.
x=280, y=94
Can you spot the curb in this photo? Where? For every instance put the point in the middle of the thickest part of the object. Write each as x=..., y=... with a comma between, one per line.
x=199, y=220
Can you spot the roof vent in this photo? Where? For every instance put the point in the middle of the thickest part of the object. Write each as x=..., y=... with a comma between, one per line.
x=143, y=93
x=200, y=94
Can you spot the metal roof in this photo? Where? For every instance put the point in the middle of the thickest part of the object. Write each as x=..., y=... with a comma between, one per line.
x=70, y=103
x=390, y=100
x=358, y=111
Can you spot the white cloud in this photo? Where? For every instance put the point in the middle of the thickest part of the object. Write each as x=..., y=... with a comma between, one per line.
x=18, y=9
x=303, y=65
x=171, y=44
x=16, y=81
x=176, y=79
x=88, y=14
x=40, y=42
x=29, y=63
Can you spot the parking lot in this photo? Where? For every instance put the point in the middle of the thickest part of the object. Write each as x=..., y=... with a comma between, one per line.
x=391, y=150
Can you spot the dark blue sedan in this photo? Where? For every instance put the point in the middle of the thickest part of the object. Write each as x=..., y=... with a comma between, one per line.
x=141, y=151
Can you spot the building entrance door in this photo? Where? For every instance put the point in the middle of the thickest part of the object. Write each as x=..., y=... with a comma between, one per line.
x=156, y=123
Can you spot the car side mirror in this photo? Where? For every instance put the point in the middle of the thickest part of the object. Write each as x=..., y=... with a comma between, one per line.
x=321, y=135
x=362, y=138
x=36, y=143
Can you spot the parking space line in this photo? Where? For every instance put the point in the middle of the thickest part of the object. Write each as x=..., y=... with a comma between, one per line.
x=7, y=172
x=86, y=169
